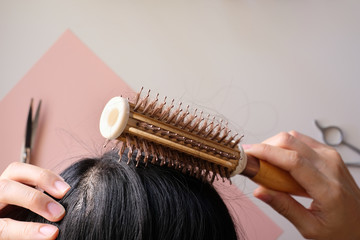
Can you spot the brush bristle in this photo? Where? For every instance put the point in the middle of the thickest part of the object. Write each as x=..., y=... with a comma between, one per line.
x=145, y=152
x=216, y=130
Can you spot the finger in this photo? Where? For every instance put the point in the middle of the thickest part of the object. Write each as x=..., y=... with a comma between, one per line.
x=334, y=165
x=308, y=140
x=15, y=193
x=289, y=141
x=36, y=176
x=287, y=206
x=11, y=229
x=330, y=160
x=302, y=170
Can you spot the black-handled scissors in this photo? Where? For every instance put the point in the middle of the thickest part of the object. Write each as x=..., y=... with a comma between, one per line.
x=30, y=132
x=334, y=136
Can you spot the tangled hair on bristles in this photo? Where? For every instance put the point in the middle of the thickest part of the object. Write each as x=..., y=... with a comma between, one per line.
x=112, y=199
x=146, y=152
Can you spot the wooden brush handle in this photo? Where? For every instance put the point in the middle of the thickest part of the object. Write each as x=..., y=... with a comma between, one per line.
x=273, y=177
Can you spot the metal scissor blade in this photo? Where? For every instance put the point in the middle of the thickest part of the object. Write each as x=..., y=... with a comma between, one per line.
x=35, y=124
x=28, y=132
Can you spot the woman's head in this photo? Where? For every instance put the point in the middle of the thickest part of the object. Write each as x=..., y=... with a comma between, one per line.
x=110, y=199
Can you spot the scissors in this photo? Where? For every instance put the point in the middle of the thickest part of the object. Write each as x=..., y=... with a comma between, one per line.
x=334, y=136
x=31, y=127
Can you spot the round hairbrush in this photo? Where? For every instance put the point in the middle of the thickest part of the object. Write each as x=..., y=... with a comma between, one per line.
x=202, y=146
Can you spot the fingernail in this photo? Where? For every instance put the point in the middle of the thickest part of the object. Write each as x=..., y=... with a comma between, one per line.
x=263, y=195
x=267, y=198
x=62, y=186
x=48, y=230
x=55, y=209
x=246, y=146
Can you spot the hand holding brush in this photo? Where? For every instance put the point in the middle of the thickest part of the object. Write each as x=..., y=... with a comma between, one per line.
x=335, y=209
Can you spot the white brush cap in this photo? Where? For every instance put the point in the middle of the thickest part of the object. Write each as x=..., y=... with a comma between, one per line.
x=114, y=117
x=241, y=164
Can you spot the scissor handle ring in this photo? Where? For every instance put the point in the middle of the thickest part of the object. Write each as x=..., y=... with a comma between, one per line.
x=326, y=133
x=326, y=136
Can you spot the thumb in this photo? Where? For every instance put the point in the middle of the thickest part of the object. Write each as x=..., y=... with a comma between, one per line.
x=287, y=206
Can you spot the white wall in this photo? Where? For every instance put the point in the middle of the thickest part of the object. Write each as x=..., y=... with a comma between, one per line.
x=268, y=66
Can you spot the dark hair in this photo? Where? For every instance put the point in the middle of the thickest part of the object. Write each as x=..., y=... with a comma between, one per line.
x=110, y=199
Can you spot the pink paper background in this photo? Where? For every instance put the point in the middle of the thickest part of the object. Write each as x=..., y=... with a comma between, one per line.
x=74, y=85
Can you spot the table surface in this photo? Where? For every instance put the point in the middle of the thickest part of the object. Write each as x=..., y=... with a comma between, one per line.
x=266, y=66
